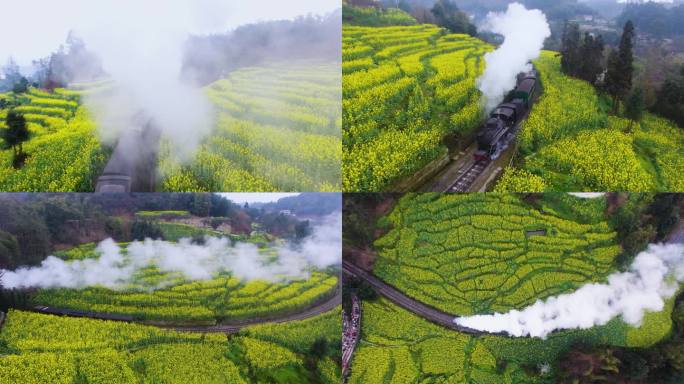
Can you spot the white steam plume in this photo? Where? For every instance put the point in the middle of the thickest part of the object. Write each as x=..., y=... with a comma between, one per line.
x=652, y=278
x=116, y=269
x=524, y=33
x=140, y=44
x=143, y=55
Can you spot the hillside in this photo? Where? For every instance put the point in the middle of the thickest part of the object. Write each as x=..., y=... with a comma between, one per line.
x=64, y=151
x=570, y=143
x=405, y=89
x=277, y=129
x=62, y=350
x=490, y=253
x=375, y=17
x=155, y=295
x=410, y=99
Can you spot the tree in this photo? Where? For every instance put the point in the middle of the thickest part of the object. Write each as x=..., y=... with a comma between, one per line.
x=12, y=75
x=634, y=107
x=405, y=6
x=620, y=67
x=21, y=86
x=319, y=348
x=221, y=207
x=670, y=98
x=15, y=135
x=141, y=230
x=591, y=58
x=302, y=229
x=450, y=17
x=201, y=205
x=570, y=50
x=9, y=250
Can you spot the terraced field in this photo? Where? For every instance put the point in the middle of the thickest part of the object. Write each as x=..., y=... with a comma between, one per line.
x=482, y=253
x=413, y=350
x=154, y=295
x=65, y=154
x=404, y=89
x=278, y=129
x=570, y=143
x=67, y=350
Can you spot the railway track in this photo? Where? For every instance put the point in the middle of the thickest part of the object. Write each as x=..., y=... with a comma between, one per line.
x=228, y=327
x=324, y=307
x=397, y=297
x=467, y=176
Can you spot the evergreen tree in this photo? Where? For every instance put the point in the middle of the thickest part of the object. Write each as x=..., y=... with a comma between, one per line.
x=591, y=58
x=15, y=134
x=634, y=107
x=620, y=67
x=571, y=50
x=201, y=205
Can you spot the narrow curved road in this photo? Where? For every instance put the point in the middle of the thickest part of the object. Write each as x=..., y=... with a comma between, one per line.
x=228, y=327
x=412, y=305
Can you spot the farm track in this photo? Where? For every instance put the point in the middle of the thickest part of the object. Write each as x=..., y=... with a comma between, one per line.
x=414, y=306
x=228, y=327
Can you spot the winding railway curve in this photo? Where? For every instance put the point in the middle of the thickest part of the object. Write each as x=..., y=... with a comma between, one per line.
x=414, y=306
x=227, y=327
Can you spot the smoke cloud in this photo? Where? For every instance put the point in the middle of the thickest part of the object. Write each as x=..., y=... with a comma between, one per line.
x=141, y=46
x=524, y=33
x=652, y=278
x=116, y=268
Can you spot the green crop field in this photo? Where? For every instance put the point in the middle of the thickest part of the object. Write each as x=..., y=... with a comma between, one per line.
x=176, y=231
x=66, y=350
x=155, y=295
x=482, y=253
x=65, y=153
x=404, y=89
x=399, y=347
x=158, y=214
x=277, y=129
x=570, y=143
x=475, y=253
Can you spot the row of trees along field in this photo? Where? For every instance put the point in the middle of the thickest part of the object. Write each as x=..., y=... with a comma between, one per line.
x=583, y=56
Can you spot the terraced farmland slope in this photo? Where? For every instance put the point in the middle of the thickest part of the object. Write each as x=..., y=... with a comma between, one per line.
x=67, y=350
x=156, y=296
x=404, y=89
x=65, y=154
x=477, y=253
x=400, y=347
x=278, y=129
x=570, y=143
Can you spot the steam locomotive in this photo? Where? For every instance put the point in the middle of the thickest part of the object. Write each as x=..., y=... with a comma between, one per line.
x=132, y=166
x=506, y=116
